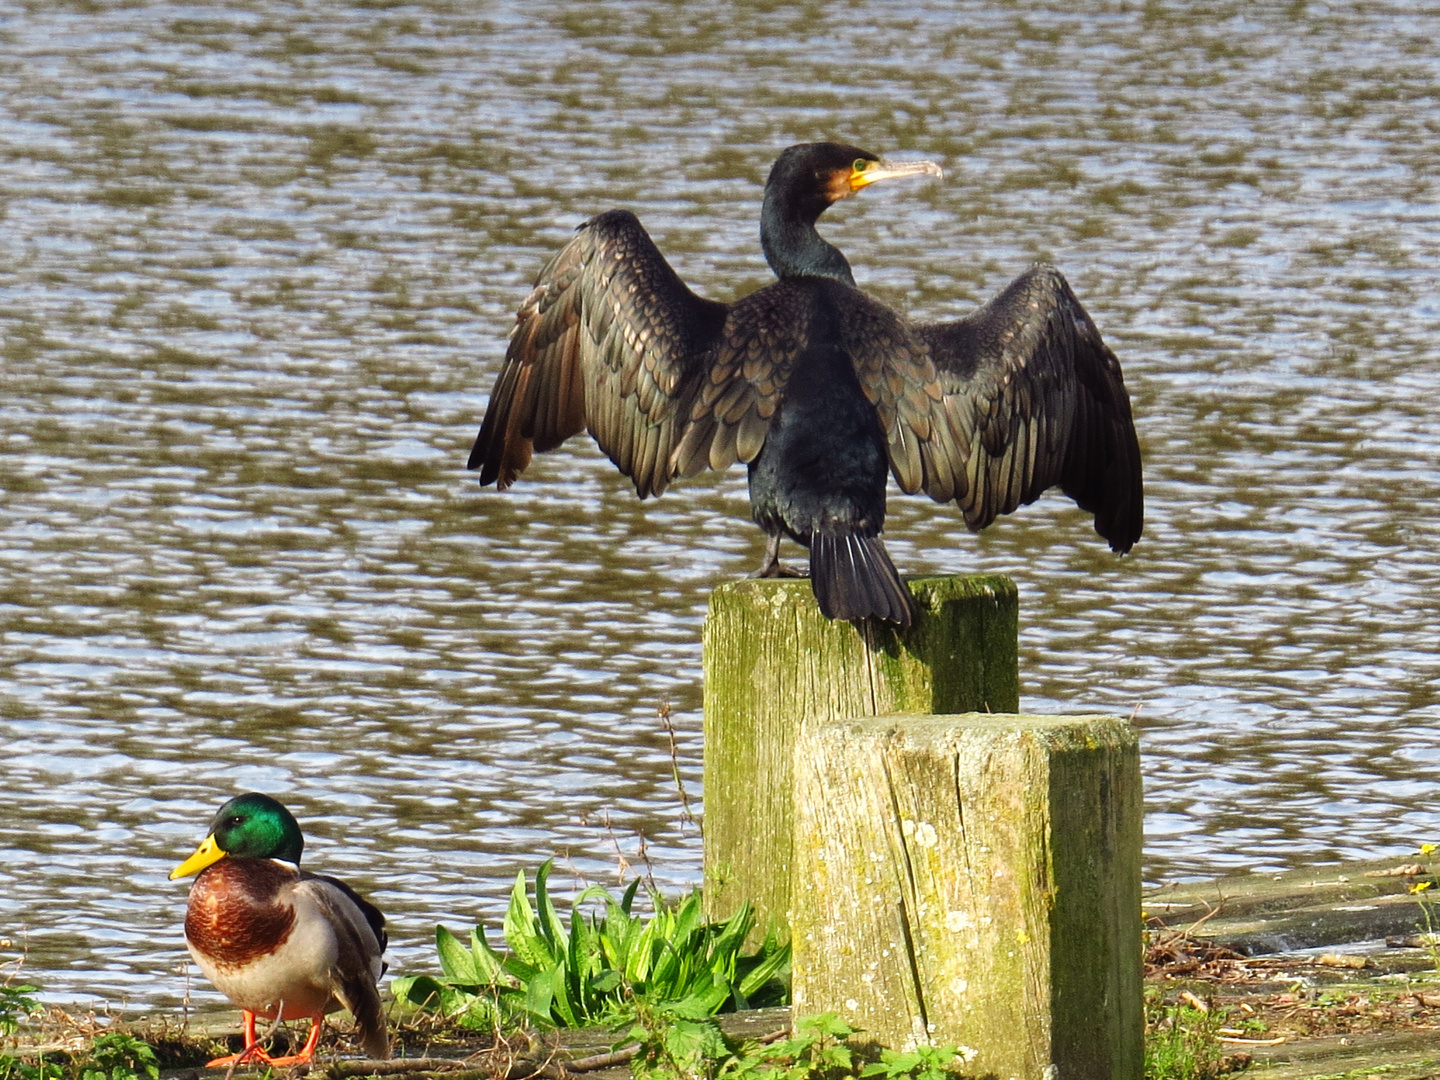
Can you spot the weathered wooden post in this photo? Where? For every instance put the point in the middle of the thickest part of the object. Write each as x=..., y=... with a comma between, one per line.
x=974, y=880
x=969, y=879
x=774, y=666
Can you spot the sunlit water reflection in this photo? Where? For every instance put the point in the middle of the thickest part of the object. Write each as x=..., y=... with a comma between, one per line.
x=258, y=265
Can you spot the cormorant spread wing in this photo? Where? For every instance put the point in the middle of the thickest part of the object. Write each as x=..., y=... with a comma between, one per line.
x=994, y=409
x=609, y=338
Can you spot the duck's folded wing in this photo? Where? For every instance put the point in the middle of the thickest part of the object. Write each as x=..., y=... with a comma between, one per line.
x=994, y=409
x=611, y=339
x=358, y=964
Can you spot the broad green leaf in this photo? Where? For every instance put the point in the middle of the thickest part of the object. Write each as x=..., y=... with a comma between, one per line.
x=550, y=926
x=592, y=892
x=776, y=965
x=421, y=990
x=838, y=1055
x=826, y=1023
x=488, y=963
x=667, y=964
x=732, y=934
x=690, y=1041
x=627, y=902
x=456, y=961
x=583, y=954
x=638, y=951
x=562, y=1004
x=521, y=930
x=455, y=1001
x=522, y=971
x=738, y=1001
x=700, y=1005
x=687, y=918
x=539, y=996
x=623, y=936
x=605, y=982
x=481, y=1016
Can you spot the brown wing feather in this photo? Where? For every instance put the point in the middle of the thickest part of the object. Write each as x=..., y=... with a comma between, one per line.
x=611, y=339
x=358, y=964
x=996, y=408
x=744, y=384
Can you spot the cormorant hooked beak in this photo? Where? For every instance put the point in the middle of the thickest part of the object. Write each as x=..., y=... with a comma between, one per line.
x=865, y=172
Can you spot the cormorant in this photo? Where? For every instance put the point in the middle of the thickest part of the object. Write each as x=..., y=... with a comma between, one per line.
x=816, y=387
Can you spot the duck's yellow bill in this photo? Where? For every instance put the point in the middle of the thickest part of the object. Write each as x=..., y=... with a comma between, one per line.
x=208, y=852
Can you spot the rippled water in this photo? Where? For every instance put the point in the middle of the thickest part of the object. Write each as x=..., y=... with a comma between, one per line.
x=257, y=265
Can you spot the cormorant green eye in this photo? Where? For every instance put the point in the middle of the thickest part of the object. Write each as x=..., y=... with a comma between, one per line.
x=861, y=164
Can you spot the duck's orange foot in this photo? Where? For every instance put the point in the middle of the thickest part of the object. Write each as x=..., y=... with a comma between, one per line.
x=254, y=1053
x=307, y=1052
x=253, y=1050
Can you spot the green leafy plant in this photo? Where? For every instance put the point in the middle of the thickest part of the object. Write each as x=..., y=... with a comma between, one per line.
x=922, y=1063
x=816, y=1051
x=117, y=1056
x=111, y=1056
x=16, y=1005
x=12, y=1068
x=676, y=1038
x=595, y=970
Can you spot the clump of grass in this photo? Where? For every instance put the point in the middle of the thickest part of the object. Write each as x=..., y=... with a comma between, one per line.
x=1182, y=1042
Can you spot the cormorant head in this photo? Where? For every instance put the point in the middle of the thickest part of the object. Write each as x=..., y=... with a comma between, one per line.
x=806, y=179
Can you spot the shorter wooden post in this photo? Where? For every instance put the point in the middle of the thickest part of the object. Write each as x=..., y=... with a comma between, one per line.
x=774, y=664
x=974, y=880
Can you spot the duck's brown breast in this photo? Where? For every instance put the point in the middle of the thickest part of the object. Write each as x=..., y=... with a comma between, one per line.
x=239, y=910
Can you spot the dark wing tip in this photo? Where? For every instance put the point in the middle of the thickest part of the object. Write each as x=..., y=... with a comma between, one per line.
x=1123, y=521
x=1104, y=474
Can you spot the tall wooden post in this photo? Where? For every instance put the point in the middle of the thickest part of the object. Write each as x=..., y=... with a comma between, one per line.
x=974, y=880
x=774, y=666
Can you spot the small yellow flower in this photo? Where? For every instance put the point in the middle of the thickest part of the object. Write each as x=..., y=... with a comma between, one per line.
x=1429, y=849
x=1421, y=886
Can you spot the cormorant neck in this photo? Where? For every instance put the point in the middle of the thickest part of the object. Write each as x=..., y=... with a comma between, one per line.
x=792, y=246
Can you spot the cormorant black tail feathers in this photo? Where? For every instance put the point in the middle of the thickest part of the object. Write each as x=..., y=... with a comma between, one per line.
x=853, y=578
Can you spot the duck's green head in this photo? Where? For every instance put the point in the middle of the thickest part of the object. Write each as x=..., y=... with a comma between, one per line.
x=252, y=826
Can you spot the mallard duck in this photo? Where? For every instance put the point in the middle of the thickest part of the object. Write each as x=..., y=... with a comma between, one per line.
x=277, y=940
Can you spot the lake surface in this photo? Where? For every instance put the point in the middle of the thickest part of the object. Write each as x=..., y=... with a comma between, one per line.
x=257, y=265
